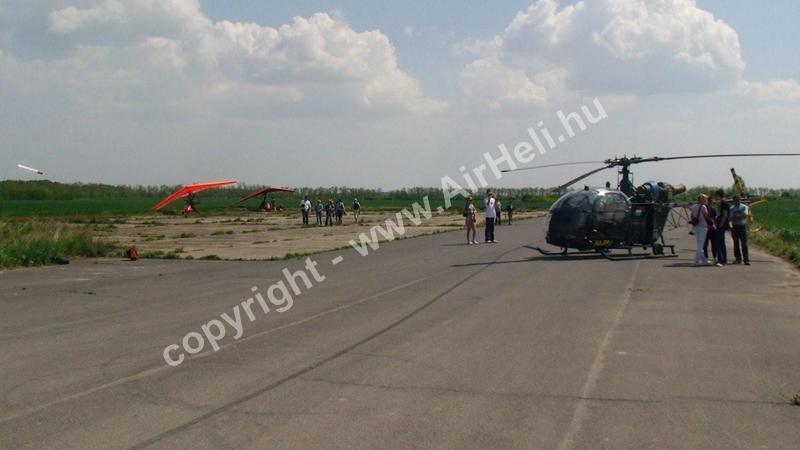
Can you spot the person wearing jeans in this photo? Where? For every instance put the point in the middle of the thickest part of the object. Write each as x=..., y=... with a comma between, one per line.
x=318, y=210
x=739, y=217
x=491, y=214
x=722, y=221
x=305, y=207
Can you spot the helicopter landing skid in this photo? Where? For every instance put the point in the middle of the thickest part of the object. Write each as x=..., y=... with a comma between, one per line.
x=563, y=252
x=611, y=257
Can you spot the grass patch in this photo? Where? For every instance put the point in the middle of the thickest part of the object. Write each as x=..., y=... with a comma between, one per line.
x=36, y=243
x=186, y=235
x=222, y=232
x=106, y=228
x=781, y=242
x=780, y=234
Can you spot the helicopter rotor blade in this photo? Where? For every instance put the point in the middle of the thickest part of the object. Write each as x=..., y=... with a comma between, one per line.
x=552, y=165
x=727, y=155
x=586, y=175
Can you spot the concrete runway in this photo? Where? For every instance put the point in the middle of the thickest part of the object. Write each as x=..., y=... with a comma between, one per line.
x=425, y=343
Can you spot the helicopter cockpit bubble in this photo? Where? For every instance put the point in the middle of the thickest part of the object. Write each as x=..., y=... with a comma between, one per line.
x=586, y=215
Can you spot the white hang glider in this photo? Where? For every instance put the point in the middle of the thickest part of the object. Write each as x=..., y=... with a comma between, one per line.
x=30, y=169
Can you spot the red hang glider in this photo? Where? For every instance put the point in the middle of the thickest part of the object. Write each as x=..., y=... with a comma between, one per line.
x=265, y=205
x=188, y=192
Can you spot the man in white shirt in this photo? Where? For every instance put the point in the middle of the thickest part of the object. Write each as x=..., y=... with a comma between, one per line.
x=491, y=214
x=305, y=207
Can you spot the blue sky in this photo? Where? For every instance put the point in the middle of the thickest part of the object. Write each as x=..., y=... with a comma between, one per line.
x=390, y=94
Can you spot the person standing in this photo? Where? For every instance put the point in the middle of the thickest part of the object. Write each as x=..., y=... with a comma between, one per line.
x=498, y=212
x=305, y=208
x=490, y=212
x=739, y=215
x=699, y=221
x=739, y=185
x=329, y=209
x=339, y=211
x=712, y=230
x=470, y=218
x=318, y=211
x=722, y=221
x=356, y=209
x=509, y=212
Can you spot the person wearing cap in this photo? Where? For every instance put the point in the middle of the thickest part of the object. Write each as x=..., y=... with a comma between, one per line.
x=491, y=214
x=470, y=218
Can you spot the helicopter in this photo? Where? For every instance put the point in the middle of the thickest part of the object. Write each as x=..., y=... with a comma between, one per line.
x=600, y=220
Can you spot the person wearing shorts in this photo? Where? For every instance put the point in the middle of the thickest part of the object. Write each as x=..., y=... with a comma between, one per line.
x=470, y=217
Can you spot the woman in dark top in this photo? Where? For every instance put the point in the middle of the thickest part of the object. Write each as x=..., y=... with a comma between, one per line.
x=712, y=229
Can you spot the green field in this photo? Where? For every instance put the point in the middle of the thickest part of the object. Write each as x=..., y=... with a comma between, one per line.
x=109, y=207
x=49, y=206
x=781, y=231
x=783, y=213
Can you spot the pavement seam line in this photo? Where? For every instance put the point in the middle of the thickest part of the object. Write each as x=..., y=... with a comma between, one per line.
x=596, y=368
x=543, y=395
x=221, y=409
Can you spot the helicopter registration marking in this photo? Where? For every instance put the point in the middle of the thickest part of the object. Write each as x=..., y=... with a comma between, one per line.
x=602, y=244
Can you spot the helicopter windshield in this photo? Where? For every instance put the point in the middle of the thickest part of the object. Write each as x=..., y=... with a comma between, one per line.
x=569, y=218
x=610, y=211
x=599, y=213
x=582, y=200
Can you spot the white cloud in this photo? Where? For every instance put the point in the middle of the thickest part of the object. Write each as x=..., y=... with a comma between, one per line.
x=118, y=55
x=491, y=82
x=408, y=30
x=777, y=91
x=616, y=47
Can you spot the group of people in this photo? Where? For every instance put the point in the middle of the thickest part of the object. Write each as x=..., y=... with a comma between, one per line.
x=493, y=212
x=710, y=225
x=333, y=210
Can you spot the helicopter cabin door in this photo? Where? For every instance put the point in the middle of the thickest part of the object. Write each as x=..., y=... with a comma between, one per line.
x=610, y=217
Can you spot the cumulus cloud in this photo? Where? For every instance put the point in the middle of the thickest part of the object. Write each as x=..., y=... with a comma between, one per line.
x=777, y=91
x=613, y=47
x=121, y=54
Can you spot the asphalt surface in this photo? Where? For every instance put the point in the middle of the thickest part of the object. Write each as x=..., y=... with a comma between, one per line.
x=425, y=343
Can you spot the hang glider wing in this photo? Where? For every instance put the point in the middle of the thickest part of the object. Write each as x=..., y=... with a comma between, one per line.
x=30, y=169
x=188, y=189
x=263, y=191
